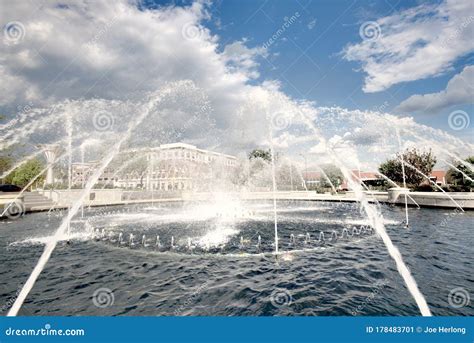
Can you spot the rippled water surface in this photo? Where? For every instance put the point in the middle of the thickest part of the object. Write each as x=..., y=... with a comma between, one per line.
x=208, y=260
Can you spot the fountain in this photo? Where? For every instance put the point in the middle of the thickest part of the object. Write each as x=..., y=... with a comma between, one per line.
x=226, y=218
x=73, y=210
x=144, y=243
x=321, y=237
x=377, y=222
x=307, y=238
x=158, y=243
x=292, y=240
x=404, y=178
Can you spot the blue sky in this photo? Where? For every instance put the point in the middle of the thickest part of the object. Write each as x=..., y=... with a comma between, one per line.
x=307, y=58
x=409, y=59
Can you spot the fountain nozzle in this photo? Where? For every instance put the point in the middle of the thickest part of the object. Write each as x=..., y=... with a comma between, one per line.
x=158, y=243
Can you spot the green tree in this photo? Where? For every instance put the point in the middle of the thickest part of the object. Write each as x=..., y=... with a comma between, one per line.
x=456, y=177
x=334, y=174
x=424, y=161
x=26, y=172
x=287, y=176
x=260, y=153
x=6, y=162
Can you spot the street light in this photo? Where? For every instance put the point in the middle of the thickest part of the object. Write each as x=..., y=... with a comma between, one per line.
x=50, y=151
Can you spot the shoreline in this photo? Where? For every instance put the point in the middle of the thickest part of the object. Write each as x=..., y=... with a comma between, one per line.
x=64, y=198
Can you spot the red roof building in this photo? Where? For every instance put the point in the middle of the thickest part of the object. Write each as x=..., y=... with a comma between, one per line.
x=359, y=176
x=438, y=176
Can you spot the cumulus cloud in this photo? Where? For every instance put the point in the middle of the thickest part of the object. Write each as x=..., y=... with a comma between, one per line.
x=414, y=44
x=119, y=50
x=110, y=49
x=80, y=58
x=458, y=91
x=338, y=145
x=240, y=58
x=366, y=136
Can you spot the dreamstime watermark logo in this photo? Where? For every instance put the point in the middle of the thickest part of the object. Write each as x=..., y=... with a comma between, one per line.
x=376, y=290
x=281, y=297
x=14, y=32
x=200, y=117
x=288, y=21
x=458, y=120
x=370, y=31
x=454, y=213
x=381, y=108
x=10, y=302
x=47, y=330
x=24, y=109
x=281, y=121
x=14, y=210
x=457, y=32
x=102, y=31
x=103, y=297
x=103, y=121
x=190, y=299
x=458, y=297
x=191, y=31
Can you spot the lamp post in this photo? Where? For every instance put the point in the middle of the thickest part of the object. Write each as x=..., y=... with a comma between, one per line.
x=50, y=152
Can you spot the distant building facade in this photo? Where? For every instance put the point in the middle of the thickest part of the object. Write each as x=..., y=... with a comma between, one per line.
x=438, y=177
x=369, y=179
x=169, y=167
x=81, y=172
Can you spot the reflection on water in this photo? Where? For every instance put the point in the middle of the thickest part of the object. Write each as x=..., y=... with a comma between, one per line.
x=217, y=260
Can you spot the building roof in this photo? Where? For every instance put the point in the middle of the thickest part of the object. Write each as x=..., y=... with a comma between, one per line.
x=311, y=175
x=179, y=145
x=438, y=174
x=365, y=175
x=362, y=176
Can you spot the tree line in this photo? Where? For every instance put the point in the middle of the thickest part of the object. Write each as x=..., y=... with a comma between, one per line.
x=416, y=164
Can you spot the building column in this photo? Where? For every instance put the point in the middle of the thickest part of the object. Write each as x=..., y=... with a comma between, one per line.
x=50, y=152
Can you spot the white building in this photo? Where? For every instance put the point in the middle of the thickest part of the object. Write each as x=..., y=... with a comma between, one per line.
x=82, y=171
x=169, y=167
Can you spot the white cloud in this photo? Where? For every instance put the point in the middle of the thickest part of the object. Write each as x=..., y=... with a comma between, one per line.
x=240, y=58
x=345, y=151
x=311, y=24
x=414, y=44
x=458, y=91
x=104, y=49
x=115, y=50
x=319, y=148
x=107, y=55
